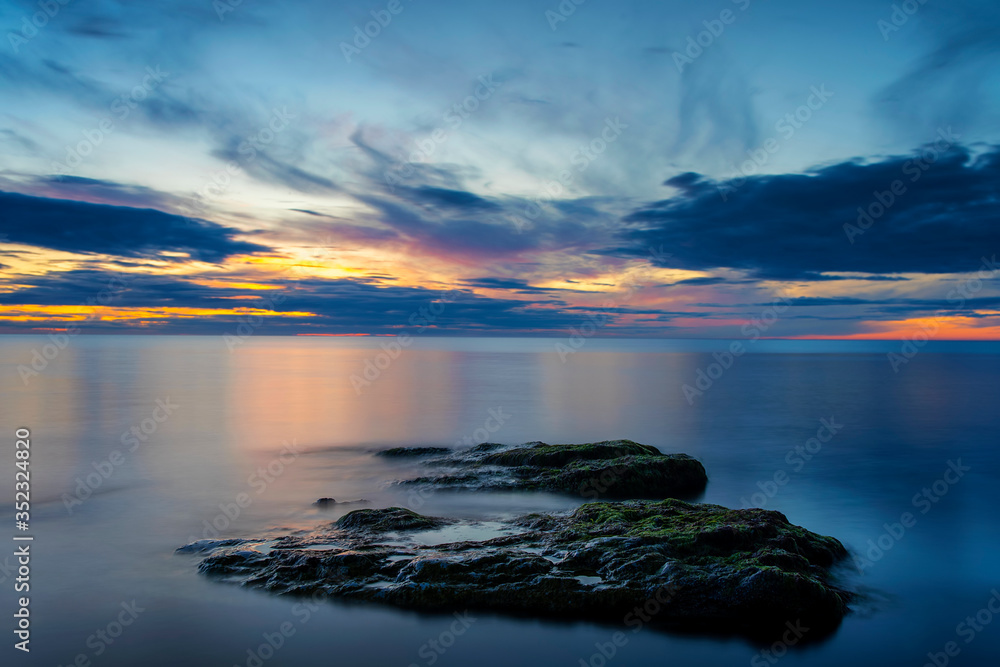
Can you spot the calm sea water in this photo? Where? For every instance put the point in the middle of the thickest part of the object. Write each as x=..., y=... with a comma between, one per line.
x=897, y=433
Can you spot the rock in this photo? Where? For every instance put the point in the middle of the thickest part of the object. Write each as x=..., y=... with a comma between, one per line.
x=207, y=545
x=406, y=452
x=327, y=503
x=545, y=455
x=610, y=469
x=700, y=567
x=392, y=519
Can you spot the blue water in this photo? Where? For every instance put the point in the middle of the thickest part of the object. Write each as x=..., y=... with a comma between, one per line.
x=897, y=433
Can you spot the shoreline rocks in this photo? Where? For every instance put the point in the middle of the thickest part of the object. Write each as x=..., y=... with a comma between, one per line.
x=411, y=452
x=711, y=568
x=614, y=469
x=705, y=568
x=330, y=503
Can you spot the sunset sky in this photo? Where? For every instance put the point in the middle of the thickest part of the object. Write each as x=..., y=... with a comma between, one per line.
x=667, y=169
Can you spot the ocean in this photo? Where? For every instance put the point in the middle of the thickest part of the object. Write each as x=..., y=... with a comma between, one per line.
x=140, y=444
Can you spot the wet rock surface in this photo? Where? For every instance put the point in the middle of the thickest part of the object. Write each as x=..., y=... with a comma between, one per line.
x=411, y=452
x=707, y=567
x=330, y=503
x=618, y=469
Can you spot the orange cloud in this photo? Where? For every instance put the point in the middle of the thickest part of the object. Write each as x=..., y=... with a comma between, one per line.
x=940, y=328
x=14, y=313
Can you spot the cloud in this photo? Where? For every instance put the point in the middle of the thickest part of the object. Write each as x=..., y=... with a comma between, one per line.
x=453, y=199
x=96, y=191
x=466, y=233
x=518, y=286
x=792, y=226
x=267, y=166
x=74, y=226
x=717, y=118
x=20, y=142
x=337, y=306
x=953, y=82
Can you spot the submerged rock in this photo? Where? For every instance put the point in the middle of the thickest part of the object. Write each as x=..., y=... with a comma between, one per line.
x=385, y=520
x=609, y=469
x=328, y=503
x=683, y=565
x=208, y=545
x=409, y=452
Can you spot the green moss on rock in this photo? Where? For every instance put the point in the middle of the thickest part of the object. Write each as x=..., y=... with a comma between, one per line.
x=610, y=469
x=391, y=519
x=545, y=455
x=709, y=567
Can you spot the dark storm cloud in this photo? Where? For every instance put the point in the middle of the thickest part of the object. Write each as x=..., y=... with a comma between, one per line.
x=792, y=226
x=701, y=282
x=338, y=306
x=74, y=226
x=518, y=286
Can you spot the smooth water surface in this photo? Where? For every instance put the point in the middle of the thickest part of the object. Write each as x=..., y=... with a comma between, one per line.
x=279, y=422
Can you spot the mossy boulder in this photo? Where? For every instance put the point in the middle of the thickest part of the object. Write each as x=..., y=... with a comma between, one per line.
x=614, y=469
x=689, y=566
x=548, y=456
x=391, y=519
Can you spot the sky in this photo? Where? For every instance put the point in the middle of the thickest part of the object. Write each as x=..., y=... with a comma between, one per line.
x=648, y=169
